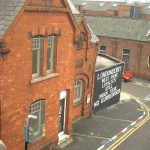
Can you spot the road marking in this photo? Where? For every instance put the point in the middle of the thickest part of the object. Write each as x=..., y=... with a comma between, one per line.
x=133, y=130
x=112, y=118
x=140, y=109
x=141, y=84
x=91, y=136
x=147, y=98
x=122, y=134
x=129, y=134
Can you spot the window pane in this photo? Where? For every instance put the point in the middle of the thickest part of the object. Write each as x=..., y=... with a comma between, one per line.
x=126, y=51
x=49, y=59
x=37, y=125
x=34, y=62
x=126, y=54
x=36, y=56
x=103, y=49
x=78, y=90
x=50, y=54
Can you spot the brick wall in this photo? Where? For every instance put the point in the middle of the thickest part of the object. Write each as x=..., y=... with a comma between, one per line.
x=18, y=91
x=138, y=57
x=145, y=16
x=122, y=9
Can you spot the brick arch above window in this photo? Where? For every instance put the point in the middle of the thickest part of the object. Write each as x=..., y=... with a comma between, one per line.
x=54, y=30
x=85, y=78
x=78, y=91
x=44, y=31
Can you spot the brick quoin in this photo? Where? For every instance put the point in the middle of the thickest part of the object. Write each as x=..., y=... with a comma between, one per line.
x=18, y=93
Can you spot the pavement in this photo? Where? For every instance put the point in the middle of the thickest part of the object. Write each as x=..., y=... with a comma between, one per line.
x=141, y=81
x=99, y=130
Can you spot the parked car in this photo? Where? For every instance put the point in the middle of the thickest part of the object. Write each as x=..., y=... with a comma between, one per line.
x=127, y=76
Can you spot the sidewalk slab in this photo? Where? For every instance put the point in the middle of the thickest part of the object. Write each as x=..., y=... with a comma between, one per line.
x=84, y=143
x=141, y=81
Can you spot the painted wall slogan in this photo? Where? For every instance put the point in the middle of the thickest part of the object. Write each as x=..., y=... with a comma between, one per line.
x=107, y=87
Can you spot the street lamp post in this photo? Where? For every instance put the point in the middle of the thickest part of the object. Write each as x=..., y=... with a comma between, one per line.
x=27, y=129
x=27, y=133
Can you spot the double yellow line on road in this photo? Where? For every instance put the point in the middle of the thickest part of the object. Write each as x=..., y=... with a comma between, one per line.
x=132, y=130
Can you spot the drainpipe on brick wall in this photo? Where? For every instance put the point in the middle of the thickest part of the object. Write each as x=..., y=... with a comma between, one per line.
x=0, y=93
x=114, y=47
x=139, y=53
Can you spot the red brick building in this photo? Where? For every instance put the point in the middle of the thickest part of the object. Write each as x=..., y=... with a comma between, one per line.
x=46, y=71
x=126, y=39
x=123, y=29
x=114, y=9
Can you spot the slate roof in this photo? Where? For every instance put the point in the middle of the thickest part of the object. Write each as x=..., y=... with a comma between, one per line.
x=8, y=11
x=78, y=18
x=10, y=8
x=122, y=28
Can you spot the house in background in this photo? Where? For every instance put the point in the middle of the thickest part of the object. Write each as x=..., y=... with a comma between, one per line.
x=47, y=61
x=124, y=33
x=113, y=8
x=125, y=39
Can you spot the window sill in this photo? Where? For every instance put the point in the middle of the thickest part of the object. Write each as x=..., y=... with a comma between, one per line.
x=49, y=76
x=77, y=103
x=79, y=48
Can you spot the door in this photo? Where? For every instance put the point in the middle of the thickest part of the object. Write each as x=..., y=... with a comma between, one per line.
x=62, y=113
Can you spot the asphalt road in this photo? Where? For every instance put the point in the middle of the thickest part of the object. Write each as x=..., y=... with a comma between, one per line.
x=90, y=133
x=138, y=140
x=137, y=90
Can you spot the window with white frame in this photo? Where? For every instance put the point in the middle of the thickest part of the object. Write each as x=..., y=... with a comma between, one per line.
x=148, y=61
x=51, y=54
x=102, y=49
x=37, y=56
x=37, y=125
x=126, y=57
x=78, y=91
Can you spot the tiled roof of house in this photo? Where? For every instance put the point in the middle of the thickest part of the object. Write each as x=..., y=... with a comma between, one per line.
x=10, y=8
x=123, y=28
x=8, y=11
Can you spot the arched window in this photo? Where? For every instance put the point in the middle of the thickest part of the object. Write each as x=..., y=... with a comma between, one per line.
x=78, y=91
x=37, y=126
